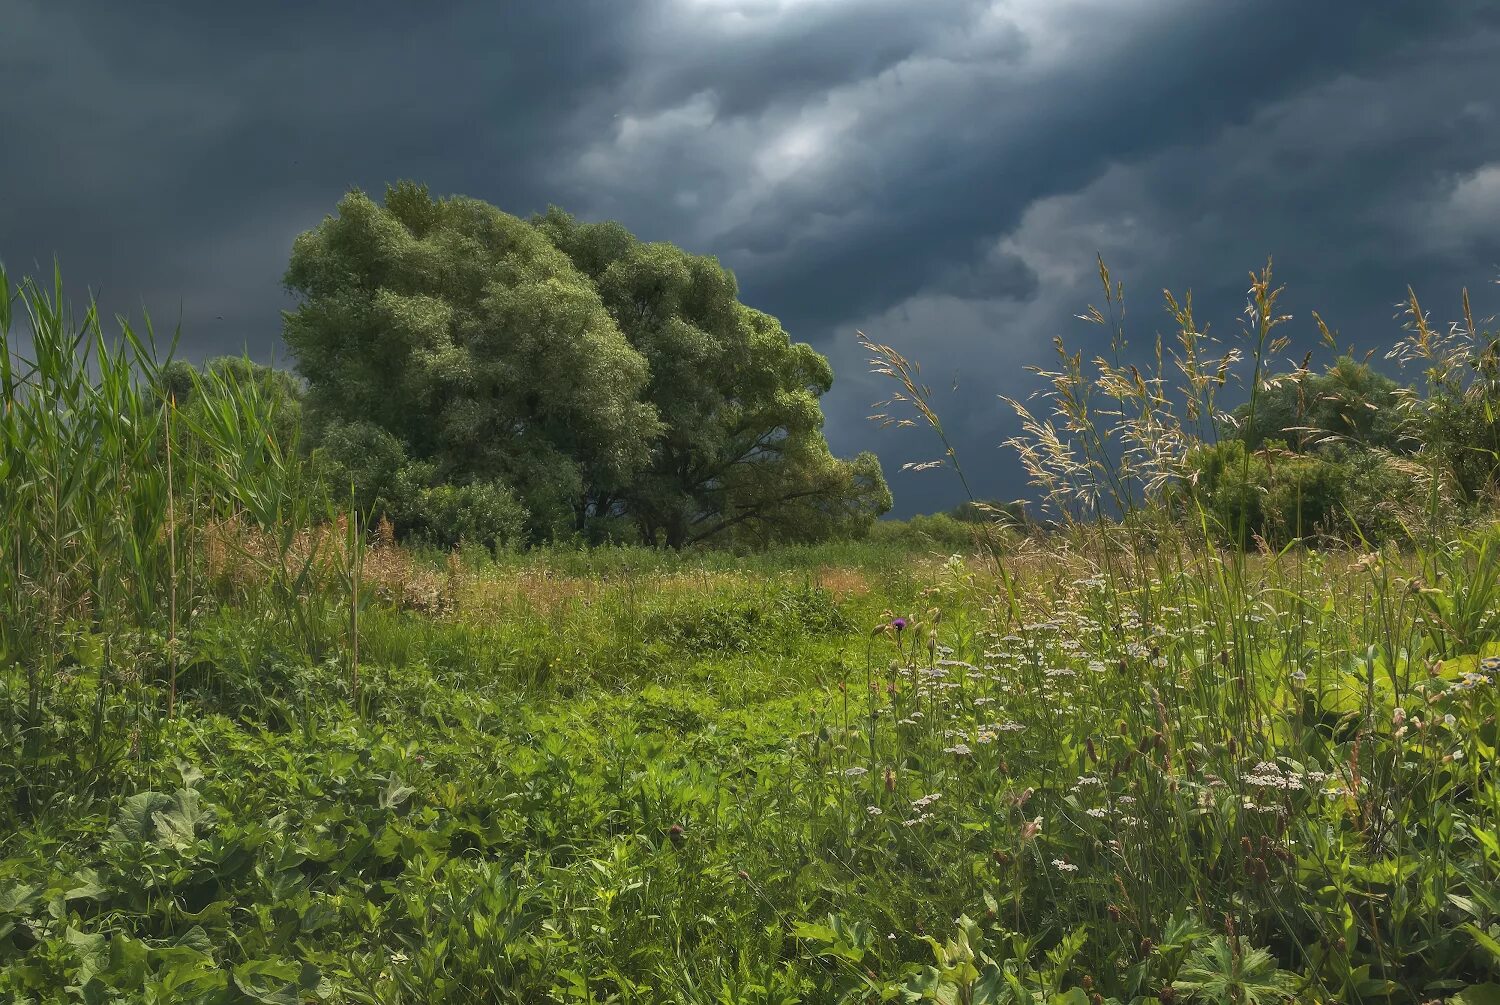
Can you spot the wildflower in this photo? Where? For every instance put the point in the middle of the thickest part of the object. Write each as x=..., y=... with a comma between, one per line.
x=675, y=832
x=890, y=780
x=1062, y=865
x=856, y=772
x=899, y=624
x=1029, y=831
x=958, y=750
x=1398, y=716
x=1449, y=720
x=874, y=811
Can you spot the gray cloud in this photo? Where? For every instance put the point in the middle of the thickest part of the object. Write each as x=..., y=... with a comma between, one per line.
x=940, y=174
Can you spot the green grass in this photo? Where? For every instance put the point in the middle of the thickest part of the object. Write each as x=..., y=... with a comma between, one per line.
x=244, y=757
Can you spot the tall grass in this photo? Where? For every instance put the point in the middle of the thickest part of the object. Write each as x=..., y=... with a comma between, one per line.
x=1295, y=748
x=112, y=499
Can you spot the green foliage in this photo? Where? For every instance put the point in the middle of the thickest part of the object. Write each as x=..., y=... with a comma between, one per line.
x=1334, y=494
x=1320, y=456
x=742, y=452
x=371, y=466
x=114, y=495
x=1224, y=971
x=279, y=389
x=1349, y=454
x=484, y=513
x=1461, y=424
x=1348, y=403
x=607, y=382
x=675, y=785
x=940, y=532
x=1009, y=514
x=462, y=333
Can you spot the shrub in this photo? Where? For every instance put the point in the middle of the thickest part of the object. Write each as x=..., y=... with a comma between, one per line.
x=928, y=532
x=484, y=513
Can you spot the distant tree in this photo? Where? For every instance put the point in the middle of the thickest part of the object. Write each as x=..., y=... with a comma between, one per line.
x=1341, y=491
x=595, y=378
x=990, y=511
x=1460, y=419
x=742, y=451
x=1349, y=402
x=475, y=344
x=280, y=389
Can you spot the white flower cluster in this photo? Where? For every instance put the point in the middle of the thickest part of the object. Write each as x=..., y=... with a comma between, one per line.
x=1270, y=775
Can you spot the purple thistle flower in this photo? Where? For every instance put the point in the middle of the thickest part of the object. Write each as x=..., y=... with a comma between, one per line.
x=898, y=624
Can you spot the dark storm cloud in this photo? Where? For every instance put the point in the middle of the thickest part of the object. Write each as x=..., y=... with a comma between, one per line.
x=1359, y=184
x=171, y=152
x=778, y=53
x=940, y=174
x=991, y=151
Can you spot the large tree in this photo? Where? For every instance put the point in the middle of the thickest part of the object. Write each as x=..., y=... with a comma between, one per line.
x=600, y=379
x=742, y=452
x=466, y=336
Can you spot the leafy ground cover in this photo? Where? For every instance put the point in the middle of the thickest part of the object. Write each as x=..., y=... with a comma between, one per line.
x=734, y=786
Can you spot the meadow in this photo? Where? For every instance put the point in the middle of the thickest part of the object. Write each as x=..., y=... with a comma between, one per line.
x=254, y=749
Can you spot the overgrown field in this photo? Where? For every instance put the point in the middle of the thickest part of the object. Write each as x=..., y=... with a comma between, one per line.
x=252, y=749
x=697, y=783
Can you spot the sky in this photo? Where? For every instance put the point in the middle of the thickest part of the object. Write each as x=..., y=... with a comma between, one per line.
x=940, y=174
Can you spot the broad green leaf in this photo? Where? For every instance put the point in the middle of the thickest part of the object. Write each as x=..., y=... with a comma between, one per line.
x=1478, y=994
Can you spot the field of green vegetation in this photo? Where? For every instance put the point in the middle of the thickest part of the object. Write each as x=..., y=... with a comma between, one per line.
x=256, y=748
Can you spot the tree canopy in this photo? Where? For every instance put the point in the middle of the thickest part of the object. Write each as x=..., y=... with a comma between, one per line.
x=606, y=383
x=1322, y=455
x=1348, y=402
x=742, y=447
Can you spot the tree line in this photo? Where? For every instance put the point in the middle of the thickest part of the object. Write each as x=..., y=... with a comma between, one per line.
x=469, y=375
